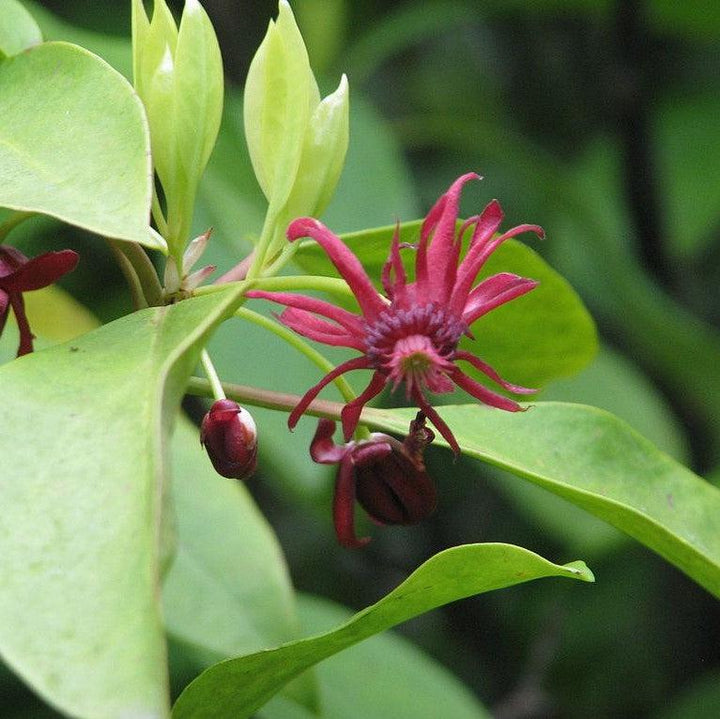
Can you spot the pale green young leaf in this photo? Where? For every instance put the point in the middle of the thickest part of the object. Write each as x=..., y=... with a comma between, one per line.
x=74, y=142
x=237, y=687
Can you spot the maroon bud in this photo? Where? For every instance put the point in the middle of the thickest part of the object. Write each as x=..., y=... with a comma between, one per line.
x=392, y=489
x=386, y=477
x=229, y=435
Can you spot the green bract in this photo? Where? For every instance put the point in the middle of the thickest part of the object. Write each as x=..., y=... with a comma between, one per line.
x=179, y=77
x=297, y=142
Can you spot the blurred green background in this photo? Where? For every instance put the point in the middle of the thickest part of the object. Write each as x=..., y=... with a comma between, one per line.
x=597, y=120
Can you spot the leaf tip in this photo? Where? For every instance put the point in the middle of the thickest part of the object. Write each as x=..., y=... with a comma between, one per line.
x=580, y=571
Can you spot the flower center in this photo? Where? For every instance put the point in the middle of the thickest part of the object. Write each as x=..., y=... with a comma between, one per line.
x=415, y=346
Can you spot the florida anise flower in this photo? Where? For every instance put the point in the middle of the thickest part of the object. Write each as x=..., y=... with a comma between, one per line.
x=410, y=336
x=19, y=274
x=386, y=477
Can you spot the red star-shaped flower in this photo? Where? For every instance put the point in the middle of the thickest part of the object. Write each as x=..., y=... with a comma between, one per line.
x=411, y=335
x=19, y=274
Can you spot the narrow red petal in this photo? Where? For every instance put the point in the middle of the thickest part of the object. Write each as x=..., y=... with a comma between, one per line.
x=350, y=414
x=344, y=507
x=309, y=396
x=493, y=292
x=394, y=286
x=322, y=448
x=480, y=249
x=26, y=335
x=312, y=327
x=485, y=395
x=491, y=373
x=350, y=321
x=346, y=262
x=444, y=250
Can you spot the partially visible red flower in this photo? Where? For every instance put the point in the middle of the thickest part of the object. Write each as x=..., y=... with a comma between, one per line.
x=386, y=476
x=411, y=335
x=19, y=274
x=229, y=435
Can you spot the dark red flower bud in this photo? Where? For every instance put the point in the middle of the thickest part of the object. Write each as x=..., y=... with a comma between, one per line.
x=386, y=476
x=229, y=435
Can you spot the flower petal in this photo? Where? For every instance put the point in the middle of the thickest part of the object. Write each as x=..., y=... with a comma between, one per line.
x=26, y=336
x=40, y=271
x=350, y=414
x=344, y=506
x=309, y=396
x=312, y=327
x=346, y=262
x=394, y=286
x=481, y=247
x=492, y=374
x=493, y=292
x=350, y=321
x=444, y=250
x=482, y=393
x=322, y=448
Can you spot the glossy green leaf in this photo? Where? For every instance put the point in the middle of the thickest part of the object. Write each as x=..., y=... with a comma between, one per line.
x=237, y=687
x=541, y=336
x=85, y=427
x=600, y=464
x=228, y=591
x=18, y=30
x=74, y=142
x=111, y=48
x=384, y=676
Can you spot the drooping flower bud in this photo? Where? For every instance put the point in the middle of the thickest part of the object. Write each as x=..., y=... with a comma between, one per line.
x=386, y=476
x=229, y=435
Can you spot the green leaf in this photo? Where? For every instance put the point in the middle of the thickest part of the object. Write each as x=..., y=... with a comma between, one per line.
x=83, y=475
x=600, y=464
x=18, y=30
x=74, y=142
x=544, y=335
x=228, y=591
x=384, y=676
x=237, y=687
